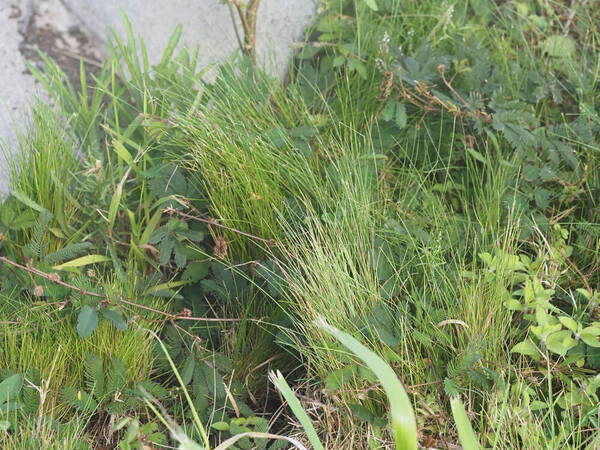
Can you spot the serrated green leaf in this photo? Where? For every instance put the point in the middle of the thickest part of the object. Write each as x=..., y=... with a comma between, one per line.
x=165, y=250
x=168, y=180
x=367, y=374
x=387, y=113
x=308, y=52
x=513, y=304
x=542, y=198
x=24, y=220
x=362, y=412
x=584, y=292
x=340, y=377
x=537, y=405
x=158, y=234
x=79, y=399
x=7, y=214
x=339, y=61
x=195, y=271
x=180, y=254
x=121, y=423
x=358, y=66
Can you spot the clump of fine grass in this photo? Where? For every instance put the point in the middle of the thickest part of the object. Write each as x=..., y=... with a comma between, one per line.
x=45, y=166
x=328, y=241
x=48, y=433
x=35, y=336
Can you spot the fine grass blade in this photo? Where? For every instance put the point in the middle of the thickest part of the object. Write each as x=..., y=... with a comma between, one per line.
x=115, y=202
x=404, y=424
x=193, y=410
x=467, y=437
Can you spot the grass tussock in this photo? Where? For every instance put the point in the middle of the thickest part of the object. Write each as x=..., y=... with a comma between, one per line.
x=412, y=215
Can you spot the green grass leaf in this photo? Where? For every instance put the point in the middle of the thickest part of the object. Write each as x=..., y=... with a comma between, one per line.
x=23, y=198
x=124, y=154
x=115, y=201
x=83, y=261
x=404, y=424
x=467, y=437
x=279, y=381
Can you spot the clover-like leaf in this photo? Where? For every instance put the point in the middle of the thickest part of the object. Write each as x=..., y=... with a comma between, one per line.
x=87, y=321
x=220, y=426
x=10, y=388
x=116, y=318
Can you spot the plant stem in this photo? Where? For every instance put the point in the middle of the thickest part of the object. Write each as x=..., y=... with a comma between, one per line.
x=122, y=299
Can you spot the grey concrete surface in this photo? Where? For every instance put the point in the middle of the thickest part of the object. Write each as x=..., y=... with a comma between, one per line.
x=207, y=24
x=27, y=26
x=66, y=29
x=15, y=85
